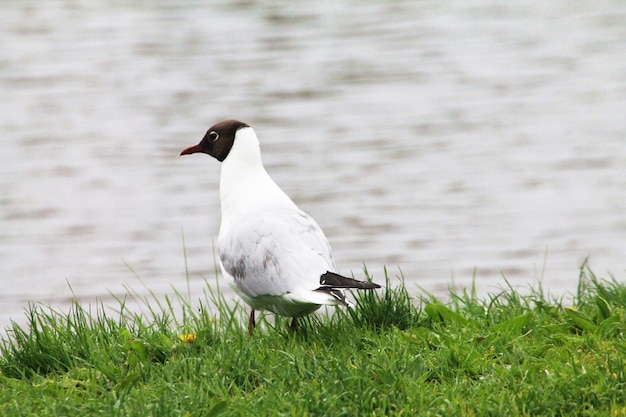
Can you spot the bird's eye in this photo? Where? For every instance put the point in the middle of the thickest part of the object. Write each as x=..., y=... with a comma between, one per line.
x=213, y=136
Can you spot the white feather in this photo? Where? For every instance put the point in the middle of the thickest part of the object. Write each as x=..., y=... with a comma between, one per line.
x=272, y=252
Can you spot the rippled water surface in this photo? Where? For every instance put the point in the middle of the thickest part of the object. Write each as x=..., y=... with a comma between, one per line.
x=435, y=138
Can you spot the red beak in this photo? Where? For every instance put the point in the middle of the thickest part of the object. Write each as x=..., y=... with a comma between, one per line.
x=191, y=149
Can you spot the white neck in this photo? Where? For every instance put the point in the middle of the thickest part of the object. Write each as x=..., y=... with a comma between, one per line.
x=244, y=184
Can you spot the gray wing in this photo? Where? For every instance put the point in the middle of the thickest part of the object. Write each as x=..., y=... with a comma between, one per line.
x=274, y=252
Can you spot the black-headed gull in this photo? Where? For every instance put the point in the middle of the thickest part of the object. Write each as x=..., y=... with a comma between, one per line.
x=273, y=254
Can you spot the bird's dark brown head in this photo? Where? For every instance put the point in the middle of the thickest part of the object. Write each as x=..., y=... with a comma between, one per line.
x=218, y=140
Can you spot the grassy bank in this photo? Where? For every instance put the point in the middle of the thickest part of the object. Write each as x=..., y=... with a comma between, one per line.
x=504, y=354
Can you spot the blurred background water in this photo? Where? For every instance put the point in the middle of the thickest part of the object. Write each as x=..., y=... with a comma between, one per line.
x=442, y=139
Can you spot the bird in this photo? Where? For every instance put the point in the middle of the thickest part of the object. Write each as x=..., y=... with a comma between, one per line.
x=274, y=255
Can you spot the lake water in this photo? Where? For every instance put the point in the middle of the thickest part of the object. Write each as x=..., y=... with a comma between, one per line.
x=434, y=138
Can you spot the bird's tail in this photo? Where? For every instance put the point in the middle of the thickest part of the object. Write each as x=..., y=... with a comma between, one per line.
x=330, y=280
x=334, y=284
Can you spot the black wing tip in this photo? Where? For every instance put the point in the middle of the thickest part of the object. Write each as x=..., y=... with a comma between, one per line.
x=333, y=280
x=340, y=296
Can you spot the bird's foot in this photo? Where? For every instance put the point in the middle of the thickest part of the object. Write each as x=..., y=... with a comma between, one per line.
x=251, y=323
x=294, y=324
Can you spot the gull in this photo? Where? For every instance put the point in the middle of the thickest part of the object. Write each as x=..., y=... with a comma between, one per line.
x=274, y=255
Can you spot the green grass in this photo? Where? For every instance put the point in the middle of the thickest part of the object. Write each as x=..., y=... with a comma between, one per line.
x=506, y=354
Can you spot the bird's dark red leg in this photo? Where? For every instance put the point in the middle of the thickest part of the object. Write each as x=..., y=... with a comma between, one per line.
x=251, y=323
x=294, y=324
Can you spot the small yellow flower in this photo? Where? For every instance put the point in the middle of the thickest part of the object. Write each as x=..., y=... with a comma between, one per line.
x=187, y=337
